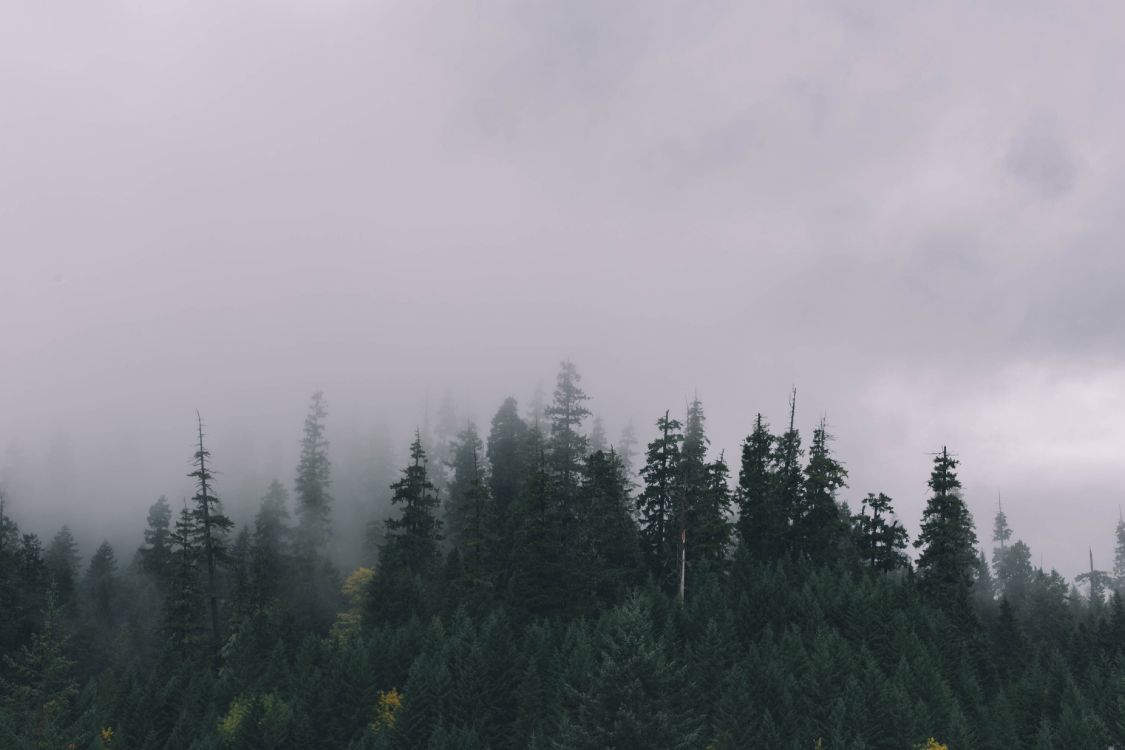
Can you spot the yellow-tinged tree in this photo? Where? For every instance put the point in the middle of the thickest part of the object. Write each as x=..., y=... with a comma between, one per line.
x=932, y=744
x=354, y=590
x=387, y=705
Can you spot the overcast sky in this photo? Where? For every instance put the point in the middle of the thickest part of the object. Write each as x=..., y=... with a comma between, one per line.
x=912, y=212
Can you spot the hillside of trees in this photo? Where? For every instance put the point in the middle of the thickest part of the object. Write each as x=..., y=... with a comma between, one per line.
x=544, y=588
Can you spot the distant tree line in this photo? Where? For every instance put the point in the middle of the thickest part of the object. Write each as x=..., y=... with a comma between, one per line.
x=544, y=588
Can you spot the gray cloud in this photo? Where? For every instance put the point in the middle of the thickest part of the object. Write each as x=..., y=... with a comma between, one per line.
x=909, y=211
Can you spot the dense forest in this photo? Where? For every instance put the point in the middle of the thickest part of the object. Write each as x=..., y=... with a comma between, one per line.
x=540, y=587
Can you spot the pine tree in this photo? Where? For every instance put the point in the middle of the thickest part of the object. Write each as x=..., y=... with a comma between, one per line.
x=1001, y=532
x=100, y=584
x=568, y=446
x=882, y=537
x=470, y=510
x=609, y=554
x=659, y=500
x=467, y=472
x=761, y=521
x=155, y=555
x=789, y=484
x=412, y=538
x=629, y=701
x=820, y=528
x=314, y=475
x=271, y=547
x=506, y=456
x=1014, y=572
x=182, y=608
x=947, y=539
x=212, y=527
x=62, y=560
x=37, y=690
x=704, y=496
x=538, y=579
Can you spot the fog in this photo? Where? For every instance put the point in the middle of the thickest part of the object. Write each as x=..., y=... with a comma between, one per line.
x=911, y=215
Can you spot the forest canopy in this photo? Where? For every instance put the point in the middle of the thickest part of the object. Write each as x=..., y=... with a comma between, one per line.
x=537, y=584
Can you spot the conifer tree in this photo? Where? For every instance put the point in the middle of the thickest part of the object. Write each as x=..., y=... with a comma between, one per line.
x=155, y=555
x=820, y=528
x=467, y=472
x=507, y=457
x=659, y=500
x=62, y=560
x=947, y=539
x=182, y=608
x=568, y=446
x=537, y=575
x=100, y=584
x=470, y=510
x=412, y=538
x=212, y=527
x=609, y=555
x=882, y=537
x=789, y=483
x=762, y=521
x=704, y=496
x=1001, y=532
x=1014, y=572
x=37, y=689
x=314, y=475
x=271, y=547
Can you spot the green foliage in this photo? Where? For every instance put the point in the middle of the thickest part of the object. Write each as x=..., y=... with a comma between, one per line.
x=947, y=540
x=552, y=622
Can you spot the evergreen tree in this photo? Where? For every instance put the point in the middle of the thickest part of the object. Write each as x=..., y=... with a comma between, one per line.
x=467, y=473
x=789, y=483
x=659, y=500
x=182, y=608
x=538, y=580
x=37, y=690
x=1097, y=582
x=820, y=528
x=271, y=546
x=314, y=475
x=1001, y=532
x=762, y=522
x=412, y=539
x=212, y=528
x=62, y=560
x=947, y=539
x=568, y=446
x=629, y=699
x=470, y=510
x=704, y=526
x=1014, y=572
x=882, y=537
x=100, y=584
x=156, y=555
x=506, y=456
x=609, y=553
x=410, y=551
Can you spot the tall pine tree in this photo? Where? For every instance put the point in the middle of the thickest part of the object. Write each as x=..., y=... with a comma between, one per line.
x=314, y=475
x=947, y=540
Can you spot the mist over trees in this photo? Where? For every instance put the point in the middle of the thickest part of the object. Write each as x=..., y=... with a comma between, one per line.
x=533, y=583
